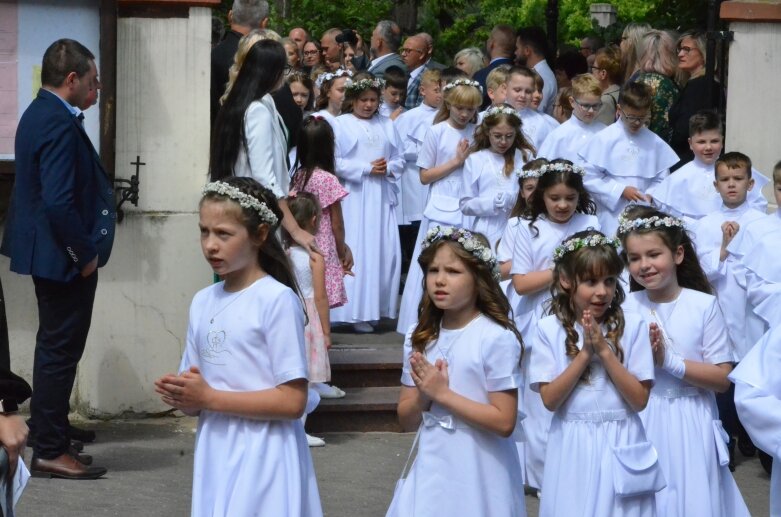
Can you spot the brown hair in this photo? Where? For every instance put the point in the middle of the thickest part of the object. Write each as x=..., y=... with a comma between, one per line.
x=587, y=263
x=609, y=60
x=705, y=120
x=491, y=301
x=777, y=173
x=636, y=96
x=521, y=205
x=733, y=160
x=482, y=140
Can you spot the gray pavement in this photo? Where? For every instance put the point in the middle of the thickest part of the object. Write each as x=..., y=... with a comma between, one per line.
x=150, y=472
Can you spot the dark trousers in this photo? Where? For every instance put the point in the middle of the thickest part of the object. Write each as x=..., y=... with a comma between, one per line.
x=407, y=235
x=64, y=315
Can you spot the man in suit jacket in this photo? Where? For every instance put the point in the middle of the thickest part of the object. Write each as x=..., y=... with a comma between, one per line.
x=60, y=229
x=431, y=64
x=245, y=16
x=415, y=54
x=384, y=47
x=500, y=47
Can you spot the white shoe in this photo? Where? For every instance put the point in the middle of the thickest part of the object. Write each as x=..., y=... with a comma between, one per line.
x=314, y=441
x=363, y=327
x=328, y=392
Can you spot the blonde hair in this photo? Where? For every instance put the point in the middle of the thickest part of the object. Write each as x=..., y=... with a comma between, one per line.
x=656, y=53
x=430, y=77
x=632, y=34
x=461, y=95
x=474, y=58
x=497, y=77
x=585, y=84
x=245, y=43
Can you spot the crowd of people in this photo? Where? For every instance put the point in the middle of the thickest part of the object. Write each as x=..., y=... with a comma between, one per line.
x=583, y=269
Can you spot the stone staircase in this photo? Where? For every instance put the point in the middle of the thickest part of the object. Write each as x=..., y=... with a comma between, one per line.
x=368, y=368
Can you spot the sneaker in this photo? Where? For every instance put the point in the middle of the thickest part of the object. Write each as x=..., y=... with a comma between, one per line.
x=329, y=392
x=314, y=441
x=363, y=327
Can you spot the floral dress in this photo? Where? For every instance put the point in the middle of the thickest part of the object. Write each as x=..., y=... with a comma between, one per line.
x=328, y=190
x=665, y=93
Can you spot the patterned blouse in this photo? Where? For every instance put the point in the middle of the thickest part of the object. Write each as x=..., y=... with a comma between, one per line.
x=665, y=92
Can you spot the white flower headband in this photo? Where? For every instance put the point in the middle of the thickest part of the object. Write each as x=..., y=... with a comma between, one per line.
x=244, y=200
x=626, y=225
x=498, y=110
x=327, y=76
x=363, y=84
x=462, y=82
x=591, y=241
x=466, y=239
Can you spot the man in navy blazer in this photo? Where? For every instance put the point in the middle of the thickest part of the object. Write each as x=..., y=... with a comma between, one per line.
x=60, y=229
x=500, y=47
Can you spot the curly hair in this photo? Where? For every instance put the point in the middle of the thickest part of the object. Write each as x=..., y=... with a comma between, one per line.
x=588, y=263
x=491, y=301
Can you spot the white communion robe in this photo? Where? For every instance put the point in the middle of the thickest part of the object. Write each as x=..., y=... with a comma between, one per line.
x=724, y=275
x=758, y=400
x=249, y=340
x=568, y=139
x=536, y=126
x=616, y=159
x=681, y=419
x=442, y=208
x=412, y=127
x=369, y=217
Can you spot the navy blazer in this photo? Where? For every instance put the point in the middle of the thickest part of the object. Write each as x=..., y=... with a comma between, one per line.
x=62, y=207
x=482, y=74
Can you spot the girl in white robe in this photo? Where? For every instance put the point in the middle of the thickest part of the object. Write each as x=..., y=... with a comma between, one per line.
x=559, y=207
x=758, y=399
x=369, y=163
x=693, y=357
x=244, y=367
x=441, y=162
x=459, y=388
x=592, y=366
x=491, y=171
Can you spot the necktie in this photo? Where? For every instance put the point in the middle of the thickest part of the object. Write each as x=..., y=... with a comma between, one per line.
x=80, y=117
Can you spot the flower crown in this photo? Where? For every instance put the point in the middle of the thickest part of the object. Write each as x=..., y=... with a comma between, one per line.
x=591, y=241
x=466, y=239
x=462, y=82
x=365, y=84
x=498, y=110
x=626, y=225
x=328, y=76
x=244, y=200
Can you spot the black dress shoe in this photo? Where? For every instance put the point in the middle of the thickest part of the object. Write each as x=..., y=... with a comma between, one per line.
x=82, y=435
x=64, y=466
x=84, y=459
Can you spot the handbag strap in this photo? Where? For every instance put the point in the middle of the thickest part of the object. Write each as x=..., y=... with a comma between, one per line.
x=405, y=470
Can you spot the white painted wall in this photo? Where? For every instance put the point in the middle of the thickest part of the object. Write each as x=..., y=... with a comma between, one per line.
x=753, y=112
x=144, y=292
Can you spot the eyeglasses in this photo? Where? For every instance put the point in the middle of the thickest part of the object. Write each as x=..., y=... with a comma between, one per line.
x=311, y=52
x=592, y=68
x=589, y=107
x=645, y=119
x=408, y=50
x=685, y=49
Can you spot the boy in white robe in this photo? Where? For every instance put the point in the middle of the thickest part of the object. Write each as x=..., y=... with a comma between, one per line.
x=758, y=401
x=520, y=88
x=624, y=160
x=393, y=93
x=570, y=137
x=412, y=127
x=496, y=88
x=689, y=193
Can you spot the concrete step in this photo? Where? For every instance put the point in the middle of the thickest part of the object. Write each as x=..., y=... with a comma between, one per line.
x=362, y=409
x=357, y=366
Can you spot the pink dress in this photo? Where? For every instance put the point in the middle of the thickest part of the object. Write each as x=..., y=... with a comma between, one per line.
x=328, y=190
x=318, y=363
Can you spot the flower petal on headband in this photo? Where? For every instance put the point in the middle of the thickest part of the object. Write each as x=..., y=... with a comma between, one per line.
x=327, y=76
x=552, y=167
x=462, y=82
x=244, y=200
x=583, y=242
x=497, y=110
x=469, y=243
x=626, y=225
x=364, y=84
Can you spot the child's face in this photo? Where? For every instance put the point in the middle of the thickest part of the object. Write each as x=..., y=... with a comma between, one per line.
x=225, y=242
x=707, y=145
x=519, y=91
x=634, y=119
x=536, y=99
x=733, y=185
x=366, y=104
x=561, y=202
x=652, y=264
x=498, y=95
x=391, y=96
x=431, y=94
x=300, y=94
x=291, y=50
x=527, y=188
x=586, y=107
x=449, y=284
x=595, y=295
x=336, y=93
x=501, y=137
x=461, y=115
x=777, y=190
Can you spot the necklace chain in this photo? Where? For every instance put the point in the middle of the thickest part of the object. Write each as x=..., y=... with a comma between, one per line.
x=227, y=305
